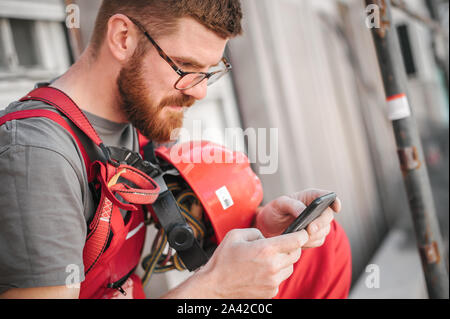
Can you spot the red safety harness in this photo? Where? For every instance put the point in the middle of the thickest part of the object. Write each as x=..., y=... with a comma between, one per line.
x=114, y=244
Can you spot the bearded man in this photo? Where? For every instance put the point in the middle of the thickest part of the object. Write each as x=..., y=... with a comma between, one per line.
x=148, y=60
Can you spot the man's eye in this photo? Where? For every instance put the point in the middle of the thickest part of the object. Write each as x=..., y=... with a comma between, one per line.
x=188, y=67
x=184, y=64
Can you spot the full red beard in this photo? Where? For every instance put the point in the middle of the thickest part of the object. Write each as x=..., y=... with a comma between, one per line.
x=142, y=112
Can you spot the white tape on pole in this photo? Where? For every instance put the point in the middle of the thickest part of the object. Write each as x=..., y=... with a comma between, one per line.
x=398, y=107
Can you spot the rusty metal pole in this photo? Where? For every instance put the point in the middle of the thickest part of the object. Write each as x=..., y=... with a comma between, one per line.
x=409, y=150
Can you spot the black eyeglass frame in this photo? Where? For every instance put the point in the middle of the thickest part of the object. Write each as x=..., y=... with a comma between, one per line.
x=179, y=71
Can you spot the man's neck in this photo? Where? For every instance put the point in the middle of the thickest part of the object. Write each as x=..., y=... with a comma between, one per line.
x=93, y=88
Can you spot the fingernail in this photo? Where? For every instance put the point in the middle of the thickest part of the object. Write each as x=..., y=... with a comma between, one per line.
x=314, y=228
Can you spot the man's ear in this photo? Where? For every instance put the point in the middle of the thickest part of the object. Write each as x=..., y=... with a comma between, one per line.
x=121, y=37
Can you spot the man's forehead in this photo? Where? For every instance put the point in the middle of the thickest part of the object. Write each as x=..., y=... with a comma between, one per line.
x=194, y=43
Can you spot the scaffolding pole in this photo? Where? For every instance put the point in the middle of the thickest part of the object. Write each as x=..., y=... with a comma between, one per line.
x=439, y=42
x=409, y=150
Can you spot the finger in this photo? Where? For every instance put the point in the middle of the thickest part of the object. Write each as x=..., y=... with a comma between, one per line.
x=285, y=273
x=315, y=244
x=336, y=206
x=320, y=236
x=320, y=222
x=310, y=194
x=322, y=233
x=248, y=234
x=287, y=259
x=290, y=206
x=288, y=242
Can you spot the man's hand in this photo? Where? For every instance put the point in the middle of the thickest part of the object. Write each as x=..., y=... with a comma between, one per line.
x=277, y=215
x=245, y=266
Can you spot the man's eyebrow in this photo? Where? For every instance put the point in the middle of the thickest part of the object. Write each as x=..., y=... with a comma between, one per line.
x=192, y=61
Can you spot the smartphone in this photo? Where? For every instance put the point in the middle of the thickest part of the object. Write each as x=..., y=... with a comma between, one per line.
x=314, y=210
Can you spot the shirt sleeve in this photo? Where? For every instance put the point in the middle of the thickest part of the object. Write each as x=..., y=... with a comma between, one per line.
x=42, y=223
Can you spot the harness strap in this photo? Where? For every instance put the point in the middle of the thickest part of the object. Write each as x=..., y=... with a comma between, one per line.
x=179, y=234
x=166, y=211
x=107, y=218
x=95, y=243
x=68, y=107
x=52, y=116
x=145, y=193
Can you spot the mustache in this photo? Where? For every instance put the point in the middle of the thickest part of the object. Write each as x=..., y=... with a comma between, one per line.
x=183, y=101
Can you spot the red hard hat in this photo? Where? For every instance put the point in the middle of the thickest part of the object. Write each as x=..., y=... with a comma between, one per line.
x=228, y=189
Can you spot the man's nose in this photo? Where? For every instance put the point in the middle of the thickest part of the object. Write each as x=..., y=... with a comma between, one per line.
x=199, y=91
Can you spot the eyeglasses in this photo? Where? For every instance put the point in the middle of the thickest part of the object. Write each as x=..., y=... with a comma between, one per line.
x=188, y=80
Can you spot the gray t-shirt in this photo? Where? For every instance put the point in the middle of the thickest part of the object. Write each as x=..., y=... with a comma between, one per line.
x=45, y=201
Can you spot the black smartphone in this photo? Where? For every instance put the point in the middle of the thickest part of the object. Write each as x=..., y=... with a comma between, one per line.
x=314, y=210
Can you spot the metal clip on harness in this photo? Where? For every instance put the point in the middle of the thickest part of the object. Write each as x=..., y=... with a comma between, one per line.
x=180, y=235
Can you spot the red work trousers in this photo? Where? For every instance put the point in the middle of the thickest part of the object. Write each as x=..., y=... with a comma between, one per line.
x=323, y=272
